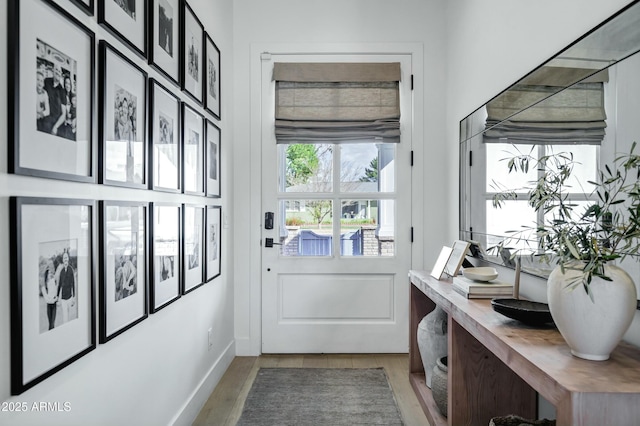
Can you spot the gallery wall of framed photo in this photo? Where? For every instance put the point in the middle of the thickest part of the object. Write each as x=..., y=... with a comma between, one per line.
x=127, y=110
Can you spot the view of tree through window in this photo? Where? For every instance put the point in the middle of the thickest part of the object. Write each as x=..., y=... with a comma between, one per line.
x=330, y=172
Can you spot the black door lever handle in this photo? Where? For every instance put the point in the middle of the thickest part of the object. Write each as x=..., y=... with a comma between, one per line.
x=268, y=242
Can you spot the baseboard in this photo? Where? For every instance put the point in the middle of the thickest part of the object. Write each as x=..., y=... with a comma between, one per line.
x=247, y=347
x=200, y=395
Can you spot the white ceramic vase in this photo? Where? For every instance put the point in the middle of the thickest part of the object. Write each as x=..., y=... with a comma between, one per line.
x=592, y=329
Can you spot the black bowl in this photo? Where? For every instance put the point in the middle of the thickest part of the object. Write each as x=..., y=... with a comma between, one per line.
x=526, y=311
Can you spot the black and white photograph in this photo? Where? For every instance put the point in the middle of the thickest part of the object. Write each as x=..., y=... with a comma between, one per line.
x=56, y=101
x=127, y=20
x=165, y=136
x=166, y=129
x=50, y=128
x=125, y=117
x=213, y=241
x=166, y=231
x=58, y=286
x=193, y=151
x=128, y=6
x=165, y=26
x=212, y=86
x=164, y=53
x=123, y=159
x=213, y=160
x=193, y=57
x=193, y=247
x=52, y=295
x=123, y=266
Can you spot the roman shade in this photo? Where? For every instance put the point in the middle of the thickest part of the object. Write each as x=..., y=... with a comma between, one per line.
x=337, y=102
x=558, y=116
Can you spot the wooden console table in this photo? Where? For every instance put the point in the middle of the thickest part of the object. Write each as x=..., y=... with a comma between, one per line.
x=496, y=365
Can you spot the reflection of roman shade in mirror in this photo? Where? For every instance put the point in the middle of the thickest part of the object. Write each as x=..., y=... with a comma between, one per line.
x=337, y=102
x=614, y=40
x=574, y=115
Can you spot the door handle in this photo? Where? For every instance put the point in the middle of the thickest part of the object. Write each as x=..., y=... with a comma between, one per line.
x=268, y=242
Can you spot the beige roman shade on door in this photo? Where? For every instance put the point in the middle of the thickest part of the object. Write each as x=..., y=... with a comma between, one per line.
x=337, y=102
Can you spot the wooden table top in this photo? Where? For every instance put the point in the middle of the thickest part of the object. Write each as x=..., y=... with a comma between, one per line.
x=537, y=354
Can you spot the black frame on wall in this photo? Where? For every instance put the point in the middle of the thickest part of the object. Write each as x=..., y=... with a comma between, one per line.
x=108, y=96
x=119, y=28
x=187, y=15
x=43, y=232
x=42, y=144
x=120, y=256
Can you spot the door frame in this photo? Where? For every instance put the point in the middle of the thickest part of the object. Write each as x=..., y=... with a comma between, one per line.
x=248, y=315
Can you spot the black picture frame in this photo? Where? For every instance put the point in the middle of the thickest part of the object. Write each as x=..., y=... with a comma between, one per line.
x=86, y=6
x=127, y=21
x=60, y=144
x=123, y=152
x=193, y=247
x=213, y=162
x=212, y=93
x=124, y=266
x=193, y=137
x=213, y=242
x=165, y=255
x=52, y=284
x=165, y=123
x=165, y=47
x=192, y=59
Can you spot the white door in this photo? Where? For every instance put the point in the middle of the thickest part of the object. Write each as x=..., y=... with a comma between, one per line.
x=336, y=280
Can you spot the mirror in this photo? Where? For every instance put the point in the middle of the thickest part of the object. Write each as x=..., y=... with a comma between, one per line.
x=585, y=100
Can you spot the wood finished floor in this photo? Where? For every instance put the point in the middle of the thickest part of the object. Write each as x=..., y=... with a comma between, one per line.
x=225, y=404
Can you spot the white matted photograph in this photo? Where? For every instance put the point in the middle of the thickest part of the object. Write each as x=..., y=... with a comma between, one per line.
x=212, y=165
x=164, y=53
x=165, y=265
x=127, y=20
x=193, y=247
x=122, y=128
x=123, y=266
x=193, y=151
x=212, y=81
x=213, y=241
x=50, y=128
x=192, y=54
x=52, y=299
x=165, y=135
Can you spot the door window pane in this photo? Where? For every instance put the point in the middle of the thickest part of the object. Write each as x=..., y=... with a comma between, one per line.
x=367, y=167
x=367, y=228
x=308, y=227
x=306, y=167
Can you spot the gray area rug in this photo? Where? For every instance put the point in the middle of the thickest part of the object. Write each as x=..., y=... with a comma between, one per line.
x=320, y=396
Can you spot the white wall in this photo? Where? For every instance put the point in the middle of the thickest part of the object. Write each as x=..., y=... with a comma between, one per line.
x=308, y=23
x=160, y=371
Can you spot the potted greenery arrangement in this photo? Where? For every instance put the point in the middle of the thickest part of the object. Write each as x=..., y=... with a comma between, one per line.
x=591, y=300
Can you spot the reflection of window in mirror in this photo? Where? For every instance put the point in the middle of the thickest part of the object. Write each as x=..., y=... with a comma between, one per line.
x=516, y=214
